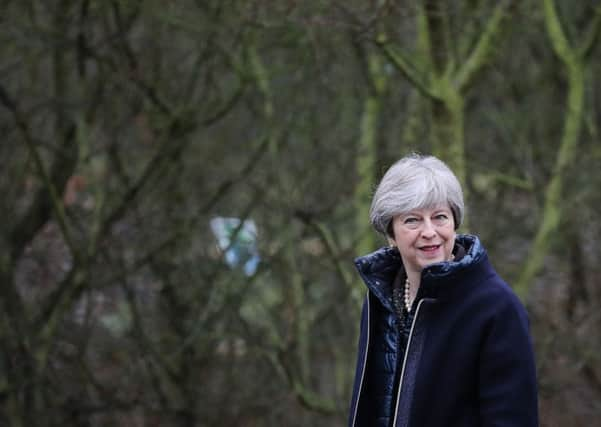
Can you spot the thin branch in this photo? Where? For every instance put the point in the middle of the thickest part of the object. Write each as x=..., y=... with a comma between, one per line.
x=513, y=181
x=328, y=239
x=592, y=35
x=245, y=172
x=48, y=199
x=556, y=32
x=308, y=398
x=226, y=107
x=478, y=56
x=407, y=68
x=143, y=340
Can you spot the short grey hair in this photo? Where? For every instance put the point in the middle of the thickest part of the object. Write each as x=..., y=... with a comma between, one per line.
x=415, y=182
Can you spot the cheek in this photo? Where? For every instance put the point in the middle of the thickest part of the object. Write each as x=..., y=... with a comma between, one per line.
x=451, y=241
x=403, y=238
x=402, y=244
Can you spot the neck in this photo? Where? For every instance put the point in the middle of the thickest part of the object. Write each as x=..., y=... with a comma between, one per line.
x=414, y=277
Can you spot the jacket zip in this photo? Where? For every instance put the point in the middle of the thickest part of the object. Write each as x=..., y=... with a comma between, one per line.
x=364, y=364
x=398, y=398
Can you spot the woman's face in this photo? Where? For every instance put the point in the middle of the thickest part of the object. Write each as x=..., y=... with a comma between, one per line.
x=424, y=237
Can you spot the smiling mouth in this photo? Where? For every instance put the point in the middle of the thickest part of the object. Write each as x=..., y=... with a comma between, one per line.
x=430, y=248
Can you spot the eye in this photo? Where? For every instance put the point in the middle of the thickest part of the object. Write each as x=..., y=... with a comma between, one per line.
x=441, y=219
x=412, y=222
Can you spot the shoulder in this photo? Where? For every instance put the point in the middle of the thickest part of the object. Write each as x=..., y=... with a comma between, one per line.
x=498, y=303
x=484, y=283
x=492, y=286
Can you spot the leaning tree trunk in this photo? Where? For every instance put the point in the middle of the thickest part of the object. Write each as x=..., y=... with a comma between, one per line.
x=574, y=59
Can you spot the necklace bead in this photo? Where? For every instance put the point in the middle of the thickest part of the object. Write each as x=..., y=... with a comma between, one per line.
x=407, y=296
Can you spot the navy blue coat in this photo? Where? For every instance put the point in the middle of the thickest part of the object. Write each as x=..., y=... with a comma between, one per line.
x=468, y=360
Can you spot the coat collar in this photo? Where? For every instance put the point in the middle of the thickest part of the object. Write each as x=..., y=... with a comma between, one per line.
x=378, y=269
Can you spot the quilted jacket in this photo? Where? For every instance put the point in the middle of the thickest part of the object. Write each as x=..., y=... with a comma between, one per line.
x=468, y=360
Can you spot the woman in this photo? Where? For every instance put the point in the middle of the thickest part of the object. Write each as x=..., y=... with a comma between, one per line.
x=444, y=341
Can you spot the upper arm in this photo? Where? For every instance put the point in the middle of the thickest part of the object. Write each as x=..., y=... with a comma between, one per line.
x=507, y=374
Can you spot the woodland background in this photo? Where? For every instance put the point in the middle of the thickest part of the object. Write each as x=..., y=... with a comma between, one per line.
x=128, y=125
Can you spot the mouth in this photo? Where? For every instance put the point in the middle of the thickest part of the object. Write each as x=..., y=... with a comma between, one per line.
x=430, y=248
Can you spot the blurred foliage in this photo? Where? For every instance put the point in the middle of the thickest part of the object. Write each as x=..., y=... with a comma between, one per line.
x=129, y=124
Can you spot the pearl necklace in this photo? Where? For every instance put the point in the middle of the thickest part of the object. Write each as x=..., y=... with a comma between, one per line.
x=407, y=293
x=407, y=296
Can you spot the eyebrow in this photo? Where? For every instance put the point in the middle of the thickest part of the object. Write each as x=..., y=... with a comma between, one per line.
x=434, y=212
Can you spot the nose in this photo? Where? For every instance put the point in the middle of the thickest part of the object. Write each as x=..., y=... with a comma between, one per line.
x=428, y=229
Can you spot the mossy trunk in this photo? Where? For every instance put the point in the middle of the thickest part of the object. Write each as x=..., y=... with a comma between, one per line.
x=367, y=154
x=448, y=138
x=551, y=214
x=573, y=59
